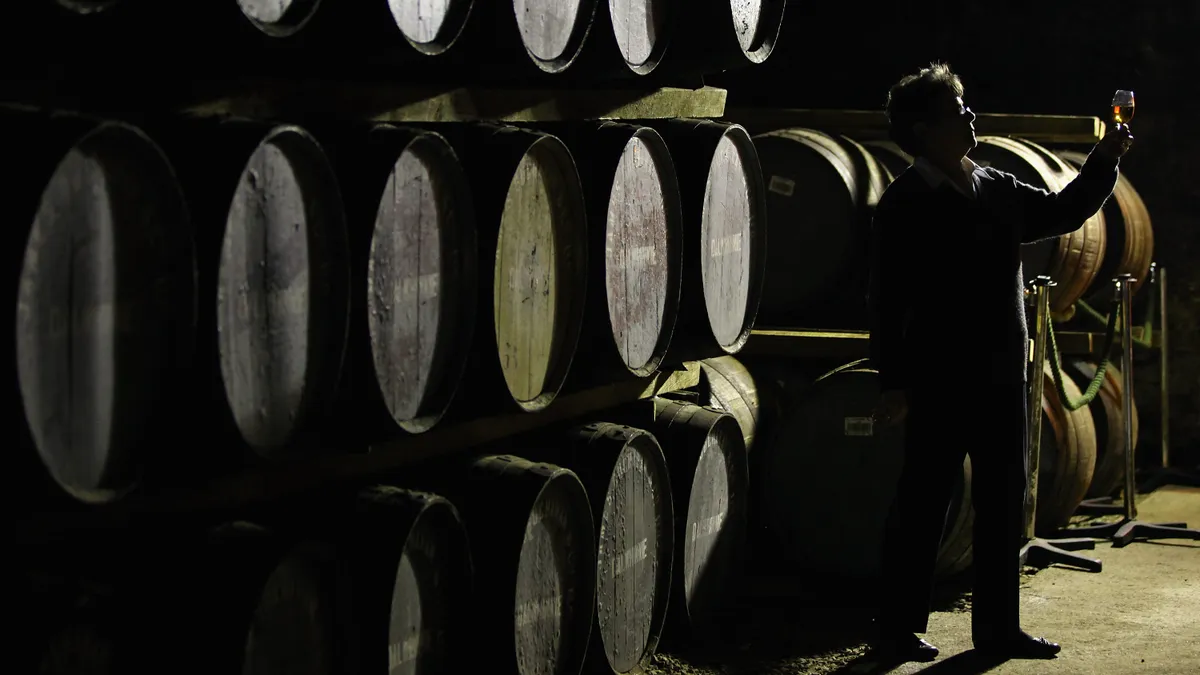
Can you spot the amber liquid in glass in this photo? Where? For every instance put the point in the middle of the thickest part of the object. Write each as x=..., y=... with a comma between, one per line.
x=1122, y=114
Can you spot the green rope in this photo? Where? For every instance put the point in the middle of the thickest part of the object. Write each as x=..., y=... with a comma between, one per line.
x=1097, y=382
x=1147, y=325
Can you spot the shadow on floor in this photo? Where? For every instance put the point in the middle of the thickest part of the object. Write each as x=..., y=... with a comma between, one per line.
x=964, y=663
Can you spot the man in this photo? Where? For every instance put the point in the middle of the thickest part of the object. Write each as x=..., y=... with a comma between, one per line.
x=949, y=339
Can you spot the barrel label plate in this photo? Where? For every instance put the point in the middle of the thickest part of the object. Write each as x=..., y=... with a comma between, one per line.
x=782, y=186
x=859, y=426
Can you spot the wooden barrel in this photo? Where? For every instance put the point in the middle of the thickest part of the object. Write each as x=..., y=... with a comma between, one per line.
x=101, y=267
x=1072, y=260
x=1108, y=416
x=282, y=290
x=420, y=288
x=431, y=27
x=1129, y=247
x=634, y=243
x=710, y=486
x=822, y=191
x=379, y=26
x=533, y=254
x=411, y=564
x=642, y=29
x=279, y=18
x=732, y=389
x=626, y=477
x=1068, y=456
x=828, y=479
x=724, y=233
x=711, y=35
x=531, y=534
x=887, y=153
x=553, y=31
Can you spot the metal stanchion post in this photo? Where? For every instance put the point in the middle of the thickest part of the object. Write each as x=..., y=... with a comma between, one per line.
x=1040, y=552
x=1129, y=528
x=1165, y=474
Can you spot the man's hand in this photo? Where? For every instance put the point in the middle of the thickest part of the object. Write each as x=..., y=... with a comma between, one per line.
x=892, y=409
x=1115, y=143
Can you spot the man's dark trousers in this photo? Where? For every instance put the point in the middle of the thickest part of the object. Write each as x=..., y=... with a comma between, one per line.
x=946, y=420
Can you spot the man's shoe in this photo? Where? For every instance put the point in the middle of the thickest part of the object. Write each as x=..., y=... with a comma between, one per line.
x=903, y=648
x=1021, y=646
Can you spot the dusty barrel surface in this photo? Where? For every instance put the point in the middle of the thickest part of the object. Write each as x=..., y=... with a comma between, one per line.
x=710, y=485
x=724, y=229
x=421, y=297
x=532, y=262
x=1129, y=246
x=280, y=18
x=1072, y=260
x=411, y=564
x=635, y=245
x=821, y=194
x=532, y=546
x=628, y=483
x=101, y=267
x=281, y=290
x=1067, y=457
x=431, y=26
x=642, y=29
x=553, y=31
x=1108, y=417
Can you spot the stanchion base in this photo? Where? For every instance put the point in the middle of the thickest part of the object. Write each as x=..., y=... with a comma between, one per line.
x=1126, y=531
x=1041, y=553
x=1100, y=506
x=1159, y=477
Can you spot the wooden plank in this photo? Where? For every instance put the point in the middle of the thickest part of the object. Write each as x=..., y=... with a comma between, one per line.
x=873, y=124
x=280, y=100
x=268, y=484
x=808, y=343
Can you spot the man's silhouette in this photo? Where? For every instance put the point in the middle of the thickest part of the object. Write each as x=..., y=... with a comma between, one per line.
x=949, y=340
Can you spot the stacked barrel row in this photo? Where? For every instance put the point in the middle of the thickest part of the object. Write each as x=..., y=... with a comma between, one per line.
x=599, y=38
x=245, y=287
x=822, y=189
x=824, y=473
x=515, y=563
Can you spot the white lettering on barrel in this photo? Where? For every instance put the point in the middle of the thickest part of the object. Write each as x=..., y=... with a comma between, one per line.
x=707, y=527
x=423, y=286
x=725, y=245
x=400, y=653
x=631, y=557
x=539, y=609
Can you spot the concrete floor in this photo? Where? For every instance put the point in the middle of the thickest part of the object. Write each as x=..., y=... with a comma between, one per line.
x=1140, y=615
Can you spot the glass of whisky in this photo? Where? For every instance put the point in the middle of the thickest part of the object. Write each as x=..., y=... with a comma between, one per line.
x=1122, y=107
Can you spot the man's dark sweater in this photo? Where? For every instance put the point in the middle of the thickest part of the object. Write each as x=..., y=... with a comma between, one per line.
x=947, y=289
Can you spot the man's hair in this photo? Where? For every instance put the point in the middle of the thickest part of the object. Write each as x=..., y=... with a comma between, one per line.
x=911, y=100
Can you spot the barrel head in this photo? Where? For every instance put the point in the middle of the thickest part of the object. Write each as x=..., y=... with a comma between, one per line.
x=105, y=310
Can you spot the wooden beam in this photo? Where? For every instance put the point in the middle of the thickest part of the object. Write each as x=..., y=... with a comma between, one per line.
x=280, y=100
x=873, y=124
x=801, y=343
x=261, y=485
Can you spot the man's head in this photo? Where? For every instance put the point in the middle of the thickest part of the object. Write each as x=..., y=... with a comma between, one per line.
x=927, y=114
